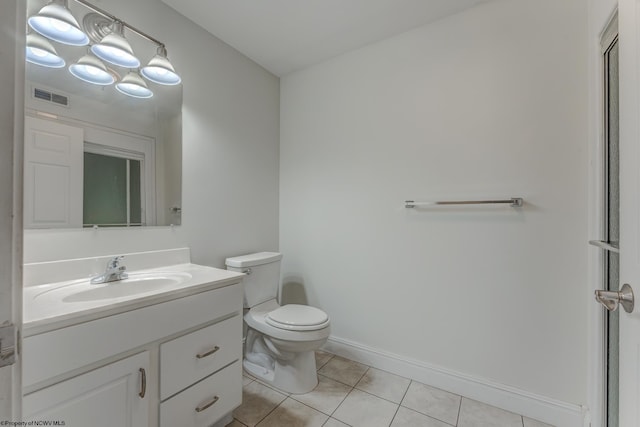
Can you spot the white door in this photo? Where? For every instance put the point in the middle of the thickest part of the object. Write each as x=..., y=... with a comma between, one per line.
x=629, y=39
x=11, y=137
x=53, y=174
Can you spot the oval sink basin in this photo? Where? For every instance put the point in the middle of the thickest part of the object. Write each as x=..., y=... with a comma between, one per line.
x=136, y=283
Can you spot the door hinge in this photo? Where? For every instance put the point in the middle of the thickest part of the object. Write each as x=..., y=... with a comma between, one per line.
x=7, y=345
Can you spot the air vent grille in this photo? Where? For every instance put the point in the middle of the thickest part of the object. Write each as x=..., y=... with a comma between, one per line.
x=59, y=99
x=46, y=95
x=42, y=94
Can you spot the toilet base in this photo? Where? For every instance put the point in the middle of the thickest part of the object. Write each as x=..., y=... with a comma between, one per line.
x=296, y=376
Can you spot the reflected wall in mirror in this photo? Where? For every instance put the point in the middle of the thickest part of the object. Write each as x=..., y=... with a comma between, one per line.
x=94, y=156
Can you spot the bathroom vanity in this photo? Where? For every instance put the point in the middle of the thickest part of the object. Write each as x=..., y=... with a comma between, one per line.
x=161, y=348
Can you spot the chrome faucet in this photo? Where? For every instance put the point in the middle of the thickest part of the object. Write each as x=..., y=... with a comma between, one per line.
x=114, y=272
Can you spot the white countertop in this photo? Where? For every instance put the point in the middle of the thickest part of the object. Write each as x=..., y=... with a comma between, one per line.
x=45, y=308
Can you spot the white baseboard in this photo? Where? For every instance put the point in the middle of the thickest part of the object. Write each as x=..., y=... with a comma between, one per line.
x=522, y=402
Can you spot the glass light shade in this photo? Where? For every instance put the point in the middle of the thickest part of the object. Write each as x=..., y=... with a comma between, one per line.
x=133, y=85
x=56, y=22
x=115, y=48
x=160, y=70
x=41, y=52
x=91, y=70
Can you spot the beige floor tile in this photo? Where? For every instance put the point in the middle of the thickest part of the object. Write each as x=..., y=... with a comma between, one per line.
x=477, y=414
x=343, y=370
x=259, y=380
x=433, y=402
x=383, y=384
x=406, y=417
x=351, y=394
x=257, y=401
x=528, y=422
x=332, y=422
x=327, y=395
x=362, y=409
x=322, y=357
x=292, y=413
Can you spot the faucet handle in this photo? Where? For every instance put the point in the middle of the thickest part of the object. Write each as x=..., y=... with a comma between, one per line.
x=115, y=261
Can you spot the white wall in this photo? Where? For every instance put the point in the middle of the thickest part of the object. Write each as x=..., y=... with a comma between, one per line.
x=230, y=152
x=491, y=102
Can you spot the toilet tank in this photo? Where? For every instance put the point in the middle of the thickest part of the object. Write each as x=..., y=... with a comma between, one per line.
x=262, y=278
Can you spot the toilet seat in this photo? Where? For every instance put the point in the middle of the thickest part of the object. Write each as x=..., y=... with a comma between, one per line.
x=257, y=316
x=296, y=317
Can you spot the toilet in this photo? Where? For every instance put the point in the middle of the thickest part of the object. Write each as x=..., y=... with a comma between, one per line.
x=281, y=340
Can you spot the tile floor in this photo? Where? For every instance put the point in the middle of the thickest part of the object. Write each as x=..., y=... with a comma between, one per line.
x=353, y=394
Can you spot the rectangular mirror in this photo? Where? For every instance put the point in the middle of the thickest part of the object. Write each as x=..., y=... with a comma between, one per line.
x=94, y=156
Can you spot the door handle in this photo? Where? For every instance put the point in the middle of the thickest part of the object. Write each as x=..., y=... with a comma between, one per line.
x=607, y=246
x=612, y=299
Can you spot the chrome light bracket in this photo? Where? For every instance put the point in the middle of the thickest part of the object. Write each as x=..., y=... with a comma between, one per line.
x=96, y=26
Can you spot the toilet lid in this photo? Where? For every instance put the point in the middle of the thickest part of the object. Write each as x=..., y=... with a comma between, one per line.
x=298, y=317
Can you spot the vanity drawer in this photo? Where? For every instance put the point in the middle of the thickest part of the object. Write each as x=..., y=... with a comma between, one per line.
x=189, y=408
x=191, y=357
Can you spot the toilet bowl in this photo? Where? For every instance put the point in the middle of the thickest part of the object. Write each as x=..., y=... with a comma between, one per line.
x=281, y=340
x=283, y=354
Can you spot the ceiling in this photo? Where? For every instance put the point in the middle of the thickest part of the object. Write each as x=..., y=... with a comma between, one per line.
x=288, y=35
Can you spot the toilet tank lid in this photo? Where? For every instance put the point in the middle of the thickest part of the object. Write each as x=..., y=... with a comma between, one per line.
x=253, y=259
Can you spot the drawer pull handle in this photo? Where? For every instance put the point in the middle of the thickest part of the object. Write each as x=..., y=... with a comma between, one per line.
x=143, y=387
x=204, y=406
x=207, y=353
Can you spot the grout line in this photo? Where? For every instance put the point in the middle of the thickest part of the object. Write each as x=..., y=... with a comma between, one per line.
x=406, y=391
x=327, y=361
x=390, y=373
x=331, y=418
x=459, y=411
x=308, y=406
x=362, y=376
x=379, y=397
x=431, y=416
x=351, y=389
x=394, y=415
x=341, y=382
x=269, y=413
x=401, y=400
x=341, y=402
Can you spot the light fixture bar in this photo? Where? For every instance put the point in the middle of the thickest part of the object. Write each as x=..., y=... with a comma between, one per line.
x=124, y=24
x=158, y=70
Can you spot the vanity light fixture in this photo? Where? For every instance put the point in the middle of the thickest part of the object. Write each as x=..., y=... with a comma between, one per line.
x=40, y=51
x=56, y=22
x=160, y=70
x=91, y=70
x=134, y=85
x=115, y=48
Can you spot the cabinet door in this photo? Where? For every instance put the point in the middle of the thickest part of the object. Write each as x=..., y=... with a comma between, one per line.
x=105, y=397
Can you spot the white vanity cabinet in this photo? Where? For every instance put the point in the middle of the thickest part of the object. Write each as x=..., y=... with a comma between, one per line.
x=114, y=395
x=172, y=363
